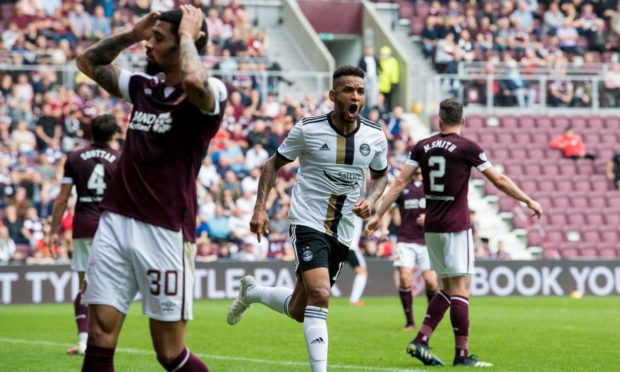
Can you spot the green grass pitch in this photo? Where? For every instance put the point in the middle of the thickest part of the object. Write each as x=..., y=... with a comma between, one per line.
x=516, y=334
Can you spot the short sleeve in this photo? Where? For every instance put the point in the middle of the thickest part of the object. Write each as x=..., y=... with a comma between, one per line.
x=414, y=156
x=67, y=177
x=123, y=85
x=220, y=94
x=293, y=144
x=379, y=162
x=477, y=158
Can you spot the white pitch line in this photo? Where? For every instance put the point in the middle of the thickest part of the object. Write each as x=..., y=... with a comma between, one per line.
x=211, y=356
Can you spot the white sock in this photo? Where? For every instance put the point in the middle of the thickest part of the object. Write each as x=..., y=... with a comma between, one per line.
x=276, y=298
x=82, y=337
x=315, y=332
x=359, y=284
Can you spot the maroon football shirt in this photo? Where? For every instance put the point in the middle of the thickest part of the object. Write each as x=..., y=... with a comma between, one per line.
x=90, y=169
x=411, y=204
x=167, y=138
x=446, y=161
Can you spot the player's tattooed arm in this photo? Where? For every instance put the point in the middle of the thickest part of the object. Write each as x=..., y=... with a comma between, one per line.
x=259, y=224
x=396, y=188
x=377, y=184
x=193, y=74
x=96, y=61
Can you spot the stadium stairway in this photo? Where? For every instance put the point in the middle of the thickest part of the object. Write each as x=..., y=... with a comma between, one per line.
x=421, y=69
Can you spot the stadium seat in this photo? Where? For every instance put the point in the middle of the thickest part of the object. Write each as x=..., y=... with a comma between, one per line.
x=579, y=202
x=558, y=219
x=508, y=121
x=612, y=219
x=588, y=253
x=595, y=124
x=609, y=235
x=563, y=185
x=607, y=253
x=576, y=219
x=590, y=236
x=546, y=186
x=569, y=253
x=594, y=219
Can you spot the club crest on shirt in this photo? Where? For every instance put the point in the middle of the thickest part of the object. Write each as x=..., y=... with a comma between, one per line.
x=364, y=149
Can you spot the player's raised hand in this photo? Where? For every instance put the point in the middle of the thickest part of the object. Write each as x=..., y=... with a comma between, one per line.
x=259, y=224
x=372, y=225
x=535, y=207
x=191, y=23
x=363, y=208
x=143, y=29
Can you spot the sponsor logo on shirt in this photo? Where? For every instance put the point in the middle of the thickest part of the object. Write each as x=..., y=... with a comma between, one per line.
x=146, y=122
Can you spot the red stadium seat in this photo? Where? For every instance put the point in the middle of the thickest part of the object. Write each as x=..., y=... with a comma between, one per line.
x=590, y=236
x=555, y=236
x=594, y=219
x=505, y=138
x=508, y=121
x=612, y=219
x=609, y=236
x=595, y=124
x=607, y=253
x=588, y=253
x=563, y=185
x=558, y=219
x=576, y=219
x=522, y=138
x=569, y=253
x=546, y=186
x=580, y=202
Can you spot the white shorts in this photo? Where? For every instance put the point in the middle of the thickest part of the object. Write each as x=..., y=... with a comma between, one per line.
x=451, y=254
x=411, y=254
x=129, y=256
x=79, y=258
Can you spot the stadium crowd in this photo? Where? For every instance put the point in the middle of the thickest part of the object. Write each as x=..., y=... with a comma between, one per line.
x=514, y=39
x=42, y=119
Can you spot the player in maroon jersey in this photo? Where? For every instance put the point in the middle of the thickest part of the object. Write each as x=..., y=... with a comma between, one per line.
x=90, y=169
x=446, y=160
x=411, y=250
x=145, y=238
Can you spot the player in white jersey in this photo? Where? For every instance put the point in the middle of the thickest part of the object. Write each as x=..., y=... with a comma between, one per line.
x=335, y=151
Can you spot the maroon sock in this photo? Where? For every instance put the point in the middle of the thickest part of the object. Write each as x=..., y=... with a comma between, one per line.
x=407, y=300
x=459, y=316
x=81, y=314
x=99, y=359
x=186, y=362
x=429, y=294
x=434, y=313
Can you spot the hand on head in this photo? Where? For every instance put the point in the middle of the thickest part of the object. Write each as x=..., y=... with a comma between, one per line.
x=192, y=21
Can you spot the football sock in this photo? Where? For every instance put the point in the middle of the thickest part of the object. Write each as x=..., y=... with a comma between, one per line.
x=315, y=332
x=81, y=314
x=459, y=316
x=186, y=362
x=406, y=299
x=434, y=313
x=276, y=298
x=100, y=359
x=429, y=294
x=359, y=283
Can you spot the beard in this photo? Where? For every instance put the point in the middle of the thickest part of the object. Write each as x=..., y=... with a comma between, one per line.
x=152, y=68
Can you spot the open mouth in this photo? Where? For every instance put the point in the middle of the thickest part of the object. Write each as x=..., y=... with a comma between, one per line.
x=353, y=109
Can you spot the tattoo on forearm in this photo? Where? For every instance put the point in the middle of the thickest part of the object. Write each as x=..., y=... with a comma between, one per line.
x=190, y=61
x=376, y=187
x=265, y=183
x=100, y=56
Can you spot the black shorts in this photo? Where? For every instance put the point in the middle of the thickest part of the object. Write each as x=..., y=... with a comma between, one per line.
x=355, y=259
x=316, y=249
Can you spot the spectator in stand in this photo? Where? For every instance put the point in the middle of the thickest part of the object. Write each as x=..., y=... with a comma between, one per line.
x=219, y=226
x=80, y=22
x=466, y=47
x=598, y=38
x=611, y=86
x=571, y=144
x=614, y=19
x=392, y=126
x=7, y=246
x=446, y=55
x=101, y=27
x=23, y=140
x=502, y=35
x=430, y=34
x=14, y=224
x=568, y=36
x=485, y=35
x=48, y=130
x=389, y=76
x=553, y=18
x=517, y=87
x=586, y=24
x=371, y=66
x=215, y=25
x=524, y=16
x=501, y=253
x=562, y=91
x=488, y=12
x=613, y=170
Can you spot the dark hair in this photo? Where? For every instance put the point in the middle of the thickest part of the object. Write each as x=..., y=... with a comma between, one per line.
x=174, y=18
x=347, y=70
x=451, y=112
x=103, y=127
